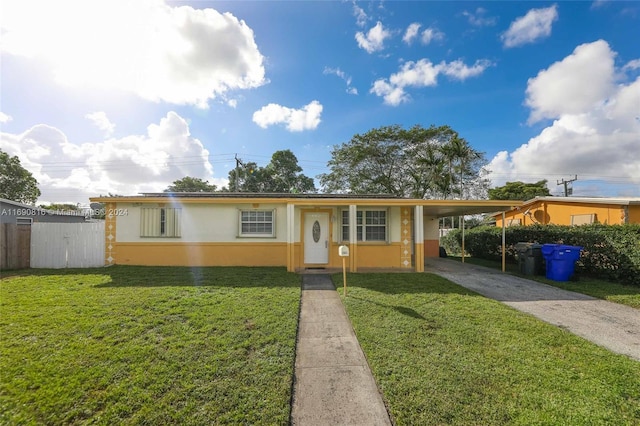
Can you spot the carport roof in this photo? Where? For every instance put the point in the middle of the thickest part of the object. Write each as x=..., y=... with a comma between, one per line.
x=433, y=208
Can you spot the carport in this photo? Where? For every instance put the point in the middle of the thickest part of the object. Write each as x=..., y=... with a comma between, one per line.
x=461, y=208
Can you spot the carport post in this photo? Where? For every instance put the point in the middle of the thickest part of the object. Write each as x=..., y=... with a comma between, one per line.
x=504, y=245
x=462, y=226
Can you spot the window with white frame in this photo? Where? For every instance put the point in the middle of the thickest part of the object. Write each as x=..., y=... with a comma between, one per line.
x=257, y=223
x=583, y=219
x=371, y=225
x=514, y=222
x=160, y=222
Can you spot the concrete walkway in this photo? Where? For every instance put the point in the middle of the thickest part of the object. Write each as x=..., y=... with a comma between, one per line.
x=333, y=384
x=612, y=325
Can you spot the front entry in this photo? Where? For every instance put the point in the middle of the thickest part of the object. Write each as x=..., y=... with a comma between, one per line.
x=316, y=238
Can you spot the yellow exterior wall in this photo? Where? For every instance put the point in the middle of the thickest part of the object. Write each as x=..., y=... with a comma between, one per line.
x=202, y=254
x=634, y=214
x=379, y=256
x=547, y=213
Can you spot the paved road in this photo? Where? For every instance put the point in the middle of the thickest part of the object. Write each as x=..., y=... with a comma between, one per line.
x=612, y=325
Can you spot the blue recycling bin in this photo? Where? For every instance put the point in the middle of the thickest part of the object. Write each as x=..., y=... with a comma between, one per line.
x=561, y=260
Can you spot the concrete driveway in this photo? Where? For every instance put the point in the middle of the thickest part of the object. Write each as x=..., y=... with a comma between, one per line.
x=611, y=325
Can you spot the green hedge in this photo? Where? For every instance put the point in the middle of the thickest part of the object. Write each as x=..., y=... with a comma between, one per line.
x=611, y=252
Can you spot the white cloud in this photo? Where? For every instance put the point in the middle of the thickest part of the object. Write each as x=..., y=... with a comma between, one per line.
x=73, y=172
x=478, y=19
x=347, y=78
x=599, y=3
x=431, y=34
x=296, y=120
x=423, y=74
x=373, y=41
x=458, y=70
x=361, y=16
x=411, y=33
x=594, y=136
x=102, y=122
x=536, y=24
x=178, y=55
x=4, y=118
x=632, y=65
x=573, y=85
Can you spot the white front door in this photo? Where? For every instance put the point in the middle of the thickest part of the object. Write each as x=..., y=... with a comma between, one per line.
x=316, y=238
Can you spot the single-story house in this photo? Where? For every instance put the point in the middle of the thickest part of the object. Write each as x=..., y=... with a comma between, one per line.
x=573, y=211
x=24, y=214
x=297, y=231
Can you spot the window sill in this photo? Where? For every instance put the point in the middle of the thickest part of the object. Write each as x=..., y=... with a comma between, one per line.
x=369, y=243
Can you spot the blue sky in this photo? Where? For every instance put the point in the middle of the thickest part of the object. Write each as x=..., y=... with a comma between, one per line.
x=126, y=97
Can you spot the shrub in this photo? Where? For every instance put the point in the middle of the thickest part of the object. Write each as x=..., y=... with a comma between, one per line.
x=610, y=252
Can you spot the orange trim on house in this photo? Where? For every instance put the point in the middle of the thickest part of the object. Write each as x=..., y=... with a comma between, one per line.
x=110, y=246
x=431, y=248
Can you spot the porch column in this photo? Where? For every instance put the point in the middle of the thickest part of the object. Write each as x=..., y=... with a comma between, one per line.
x=418, y=221
x=353, y=238
x=291, y=255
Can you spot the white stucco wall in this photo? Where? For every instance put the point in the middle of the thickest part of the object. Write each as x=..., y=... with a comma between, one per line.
x=431, y=227
x=219, y=222
x=201, y=223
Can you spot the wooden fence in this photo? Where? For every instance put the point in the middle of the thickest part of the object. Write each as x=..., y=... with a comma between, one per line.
x=67, y=245
x=15, y=243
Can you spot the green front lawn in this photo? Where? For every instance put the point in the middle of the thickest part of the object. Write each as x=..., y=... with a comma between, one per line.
x=442, y=354
x=614, y=292
x=147, y=345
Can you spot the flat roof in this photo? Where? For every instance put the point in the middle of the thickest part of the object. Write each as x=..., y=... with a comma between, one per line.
x=619, y=201
x=625, y=201
x=437, y=208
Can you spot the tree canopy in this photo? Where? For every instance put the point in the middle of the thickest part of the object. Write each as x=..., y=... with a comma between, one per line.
x=520, y=191
x=16, y=182
x=282, y=174
x=60, y=207
x=419, y=162
x=190, y=184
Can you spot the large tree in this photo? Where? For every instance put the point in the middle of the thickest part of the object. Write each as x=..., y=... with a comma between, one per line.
x=16, y=182
x=282, y=174
x=520, y=191
x=190, y=184
x=419, y=162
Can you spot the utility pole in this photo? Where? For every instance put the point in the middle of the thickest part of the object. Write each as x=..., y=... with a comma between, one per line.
x=238, y=164
x=568, y=190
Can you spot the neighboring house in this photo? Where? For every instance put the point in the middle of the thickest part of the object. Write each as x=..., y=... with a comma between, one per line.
x=573, y=211
x=24, y=214
x=297, y=231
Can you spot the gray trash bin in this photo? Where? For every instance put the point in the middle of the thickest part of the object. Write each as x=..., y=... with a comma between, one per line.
x=530, y=258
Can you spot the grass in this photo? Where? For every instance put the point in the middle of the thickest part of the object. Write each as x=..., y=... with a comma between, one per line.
x=145, y=345
x=442, y=354
x=614, y=292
